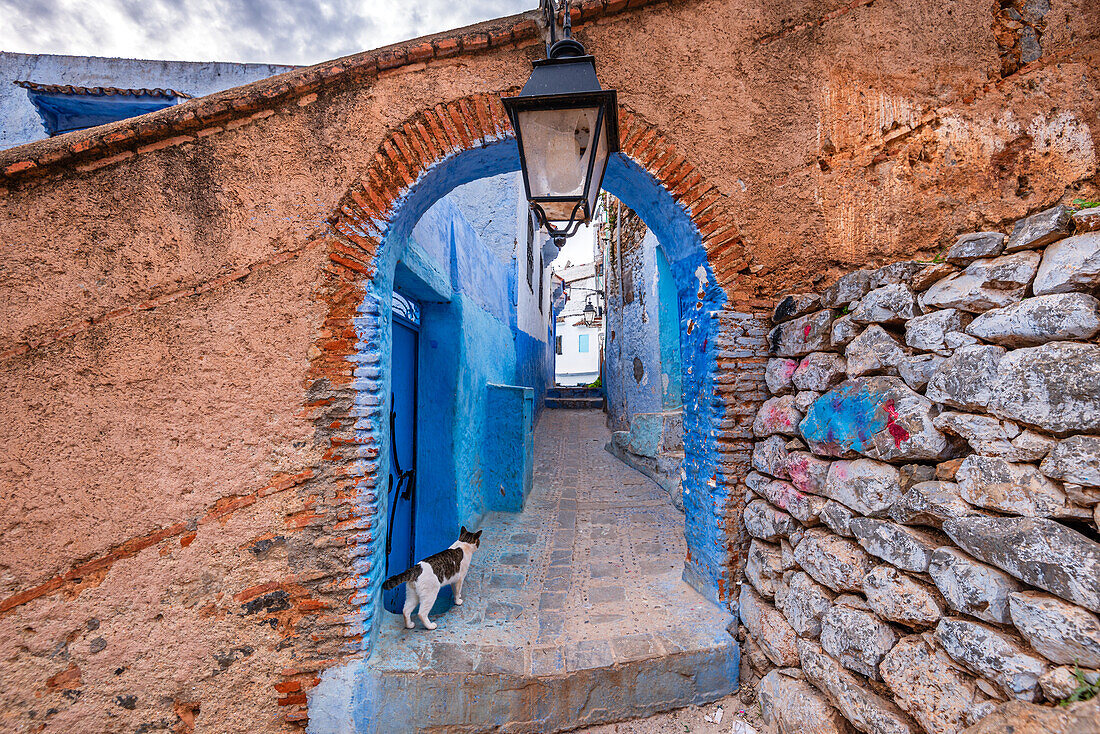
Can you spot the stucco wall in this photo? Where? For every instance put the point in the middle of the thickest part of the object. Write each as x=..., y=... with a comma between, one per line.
x=20, y=123
x=633, y=365
x=162, y=299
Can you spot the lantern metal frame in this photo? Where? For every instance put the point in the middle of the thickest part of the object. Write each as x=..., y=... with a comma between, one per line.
x=566, y=80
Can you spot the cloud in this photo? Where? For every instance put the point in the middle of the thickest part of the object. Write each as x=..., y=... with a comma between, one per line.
x=262, y=31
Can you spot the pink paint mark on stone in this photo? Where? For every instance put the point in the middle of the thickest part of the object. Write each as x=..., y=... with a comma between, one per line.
x=806, y=331
x=898, y=432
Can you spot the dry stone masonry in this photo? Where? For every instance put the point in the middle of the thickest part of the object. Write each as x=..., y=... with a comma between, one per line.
x=925, y=491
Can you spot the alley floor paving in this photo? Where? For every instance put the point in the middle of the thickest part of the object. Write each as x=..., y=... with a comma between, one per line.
x=577, y=597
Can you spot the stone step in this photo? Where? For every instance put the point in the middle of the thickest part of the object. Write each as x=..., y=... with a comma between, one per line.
x=452, y=688
x=574, y=392
x=576, y=403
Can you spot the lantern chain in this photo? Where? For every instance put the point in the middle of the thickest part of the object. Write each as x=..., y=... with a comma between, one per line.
x=550, y=10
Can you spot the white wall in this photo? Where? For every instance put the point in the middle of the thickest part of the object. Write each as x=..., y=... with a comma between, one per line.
x=572, y=366
x=20, y=123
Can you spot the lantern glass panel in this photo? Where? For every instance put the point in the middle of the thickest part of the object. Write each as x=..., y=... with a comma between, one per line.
x=599, y=168
x=558, y=146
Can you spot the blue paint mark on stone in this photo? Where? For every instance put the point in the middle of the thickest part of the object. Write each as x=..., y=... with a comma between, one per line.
x=845, y=419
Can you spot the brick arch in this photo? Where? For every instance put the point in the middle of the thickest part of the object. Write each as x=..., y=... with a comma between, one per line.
x=344, y=388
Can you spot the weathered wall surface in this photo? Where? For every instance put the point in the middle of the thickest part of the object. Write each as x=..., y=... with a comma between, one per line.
x=925, y=496
x=162, y=300
x=632, y=363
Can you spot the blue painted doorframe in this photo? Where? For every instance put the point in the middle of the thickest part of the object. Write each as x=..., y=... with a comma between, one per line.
x=400, y=543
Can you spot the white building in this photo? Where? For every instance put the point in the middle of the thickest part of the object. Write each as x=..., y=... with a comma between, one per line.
x=579, y=347
x=47, y=94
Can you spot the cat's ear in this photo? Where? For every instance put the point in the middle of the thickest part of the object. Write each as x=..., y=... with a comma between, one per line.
x=463, y=532
x=477, y=535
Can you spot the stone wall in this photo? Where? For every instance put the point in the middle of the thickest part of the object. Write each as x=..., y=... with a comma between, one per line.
x=926, y=488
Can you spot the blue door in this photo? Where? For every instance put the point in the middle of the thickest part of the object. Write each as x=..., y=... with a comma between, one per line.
x=402, y=481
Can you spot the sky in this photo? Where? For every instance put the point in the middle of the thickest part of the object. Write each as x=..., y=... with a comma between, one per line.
x=578, y=248
x=299, y=32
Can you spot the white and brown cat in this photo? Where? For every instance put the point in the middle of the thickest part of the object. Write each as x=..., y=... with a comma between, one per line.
x=424, y=580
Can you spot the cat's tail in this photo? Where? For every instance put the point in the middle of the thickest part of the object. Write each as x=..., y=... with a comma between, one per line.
x=394, y=581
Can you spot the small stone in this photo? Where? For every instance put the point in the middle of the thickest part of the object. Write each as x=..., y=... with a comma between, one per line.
x=770, y=456
x=804, y=399
x=843, y=331
x=930, y=275
x=991, y=437
x=777, y=415
x=1040, y=230
x=1018, y=717
x=912, y=474
x=1035, y=321
x=807, y=472
x=1028, y=446
x=927, y=685
x=998, y=657
x=756, y=482
x=980, y=710
x=971, y=247
x=768, y=628
x=858, y=639
x=967, y=378
x=803, y=507
x=1055, y=388
x=767, y=523
x=985, y=284
x=848, y=288
x=899, y=272
x=836, y=562
x=764, y=568
x=971, y=587
x=1063, y=633
x=1070, y=265
x=790, y=705
x=867, y=711
x=1040, y=552
x=795, y=305
x=1075, y=459
x=957, y=339
x=819, y=371
x=931, y=503
x=897, y=597
x=801, y=336
x=875, y=350
x=1059, y=683
x=866, y=486
x=1018, y=489
x=803, y=602
x=918, y=369
x=904, y=547
x=837, y=518
x=891, y=304
x=946, y=470
x=879, y=417
x=778, y=374
x=1086, y=220
x=976, y=427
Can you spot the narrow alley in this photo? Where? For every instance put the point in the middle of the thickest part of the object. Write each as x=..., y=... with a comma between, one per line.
x=569, y=594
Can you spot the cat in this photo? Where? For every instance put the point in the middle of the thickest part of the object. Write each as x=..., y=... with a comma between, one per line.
x=424, y=580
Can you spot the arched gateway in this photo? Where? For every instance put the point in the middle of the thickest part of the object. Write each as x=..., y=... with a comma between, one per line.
x=468, y=139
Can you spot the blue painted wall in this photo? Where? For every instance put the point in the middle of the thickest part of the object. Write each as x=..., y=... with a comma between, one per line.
x=668, y=326
x=701, y=299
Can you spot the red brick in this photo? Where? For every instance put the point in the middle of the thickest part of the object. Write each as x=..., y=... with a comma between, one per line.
x=420, y=52
x=391, y=59
x=475, y=41
x=445, y=47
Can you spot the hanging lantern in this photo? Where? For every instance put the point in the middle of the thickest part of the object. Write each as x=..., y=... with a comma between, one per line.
x=566, y=127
